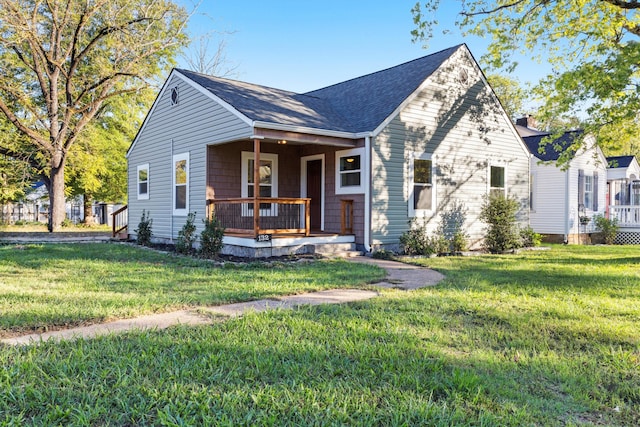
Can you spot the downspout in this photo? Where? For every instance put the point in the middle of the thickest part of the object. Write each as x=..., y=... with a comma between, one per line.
x=566, y=207
x=367, y=194
x=171, y=166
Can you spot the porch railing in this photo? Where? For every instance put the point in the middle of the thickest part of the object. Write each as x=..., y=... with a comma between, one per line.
x=119, y=221
x=277, y=215
x=627, y=215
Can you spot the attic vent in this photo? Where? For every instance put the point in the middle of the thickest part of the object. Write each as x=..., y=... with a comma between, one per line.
x=174, y=95
x=463, y=77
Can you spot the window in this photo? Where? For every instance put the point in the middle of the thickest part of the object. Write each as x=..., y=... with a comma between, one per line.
x=588, y=192
x=349, y=164
x=174, y=96
x=422, y=198
x=181, y=184
x=532, y=192
x=268, y=185
x=143, y=182
x=497, y=180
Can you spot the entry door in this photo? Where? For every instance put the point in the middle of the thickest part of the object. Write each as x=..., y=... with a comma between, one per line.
x=314, y=191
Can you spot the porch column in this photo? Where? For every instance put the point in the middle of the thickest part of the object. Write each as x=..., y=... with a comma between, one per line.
x=256, y=185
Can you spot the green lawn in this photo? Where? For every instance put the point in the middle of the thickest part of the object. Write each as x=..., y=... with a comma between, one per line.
x=540, y=338
x=51, y=286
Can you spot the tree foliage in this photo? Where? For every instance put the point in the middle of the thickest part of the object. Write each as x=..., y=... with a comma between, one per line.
x=64, y=62
x=592, y=45
x=510, y=93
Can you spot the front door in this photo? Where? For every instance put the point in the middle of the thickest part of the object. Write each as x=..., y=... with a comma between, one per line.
x=314, y=191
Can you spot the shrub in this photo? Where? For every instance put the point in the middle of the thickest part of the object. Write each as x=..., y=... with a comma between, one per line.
x=450, y=229
x=608, y=227
x=66, y=223
x=499, y=212
x=530, y=238
x=143, y=232
x=416, y=240
x=187, y=236
x=211, y=238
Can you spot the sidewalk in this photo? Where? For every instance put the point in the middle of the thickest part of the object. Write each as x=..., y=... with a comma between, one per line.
x=399, y=275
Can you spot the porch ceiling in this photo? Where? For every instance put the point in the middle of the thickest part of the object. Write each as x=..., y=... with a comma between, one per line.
x=272, y=135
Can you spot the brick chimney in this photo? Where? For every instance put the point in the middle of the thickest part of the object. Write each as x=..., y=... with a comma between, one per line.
x=528, y=122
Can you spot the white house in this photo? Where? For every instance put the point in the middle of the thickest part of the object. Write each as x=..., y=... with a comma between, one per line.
x=564, y=201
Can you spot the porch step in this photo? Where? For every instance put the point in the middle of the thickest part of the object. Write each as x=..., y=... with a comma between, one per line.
x=337, y=250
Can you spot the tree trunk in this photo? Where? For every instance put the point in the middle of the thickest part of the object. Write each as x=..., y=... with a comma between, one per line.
x=57, y=209
x=88, y=211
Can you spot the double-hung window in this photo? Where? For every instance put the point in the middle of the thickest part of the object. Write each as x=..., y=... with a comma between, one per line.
x=422, y=199
x=143, y=182
x=181, y=184
x=497, y=180
x=588, y=192
x=349, y=169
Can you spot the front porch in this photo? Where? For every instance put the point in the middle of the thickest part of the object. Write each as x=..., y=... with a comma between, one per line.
x=628, y=217
x=267, y=226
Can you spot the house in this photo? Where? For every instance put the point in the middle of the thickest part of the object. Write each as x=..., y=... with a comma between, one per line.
x=345, y=166
x=623, y=197
x=564, y=200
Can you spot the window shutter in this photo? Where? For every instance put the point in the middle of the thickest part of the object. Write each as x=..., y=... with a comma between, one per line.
x=580, y=187
x=595, y=191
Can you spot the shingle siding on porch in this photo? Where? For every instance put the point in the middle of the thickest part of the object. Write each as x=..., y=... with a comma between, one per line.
x=193, y=123
x=445, y=121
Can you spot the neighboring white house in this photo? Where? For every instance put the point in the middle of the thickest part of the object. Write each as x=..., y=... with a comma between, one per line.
x=623, y=197
x=564, y=201
x=349, y=164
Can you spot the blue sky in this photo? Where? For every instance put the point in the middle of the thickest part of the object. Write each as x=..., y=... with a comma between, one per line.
x=304, y=45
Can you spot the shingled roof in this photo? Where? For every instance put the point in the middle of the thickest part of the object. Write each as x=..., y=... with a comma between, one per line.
x=619, y=161
x=356, y=105
x=550, y=151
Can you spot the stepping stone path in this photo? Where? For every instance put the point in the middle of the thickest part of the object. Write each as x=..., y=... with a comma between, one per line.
x=399, y=276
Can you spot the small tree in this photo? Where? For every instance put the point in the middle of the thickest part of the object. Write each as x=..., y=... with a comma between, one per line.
x=143, y=232
x=187, y=236
x=499, y=212
x=211, y=238
x=608, y=227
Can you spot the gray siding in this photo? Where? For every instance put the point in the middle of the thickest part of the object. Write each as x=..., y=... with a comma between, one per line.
x=187, y=127
x=457, y=120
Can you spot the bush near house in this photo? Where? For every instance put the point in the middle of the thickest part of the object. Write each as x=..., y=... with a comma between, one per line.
x=187, y=236
x=499, y=212
x=211, y=238
x=143, y=232
x=609, y=228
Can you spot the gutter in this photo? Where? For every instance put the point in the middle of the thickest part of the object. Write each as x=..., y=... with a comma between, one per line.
x=566, y=207
x=305, y=129
x=367, y=194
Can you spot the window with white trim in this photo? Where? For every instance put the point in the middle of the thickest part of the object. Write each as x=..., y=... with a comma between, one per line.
x=349, y=168
x=181, y=184
x=422, y=184
x=268, y=185
x=588, y=191
x=143, y=182
x=497, y=180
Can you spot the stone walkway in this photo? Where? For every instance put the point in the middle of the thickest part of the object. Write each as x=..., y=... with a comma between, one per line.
x=399, y=276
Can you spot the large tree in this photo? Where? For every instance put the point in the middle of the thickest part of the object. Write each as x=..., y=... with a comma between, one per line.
x=592, y=45
x=65, y=60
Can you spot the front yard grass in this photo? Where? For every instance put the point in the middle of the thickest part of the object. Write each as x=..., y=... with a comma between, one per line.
x=540, y=338
x=44, y=287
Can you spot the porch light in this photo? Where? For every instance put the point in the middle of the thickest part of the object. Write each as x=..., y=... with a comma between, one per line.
x=350, y=159
x=282, y=141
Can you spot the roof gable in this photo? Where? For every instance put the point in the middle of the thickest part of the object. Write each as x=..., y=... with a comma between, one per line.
x=619, y=161
x=552, y=149
x=368, y=100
